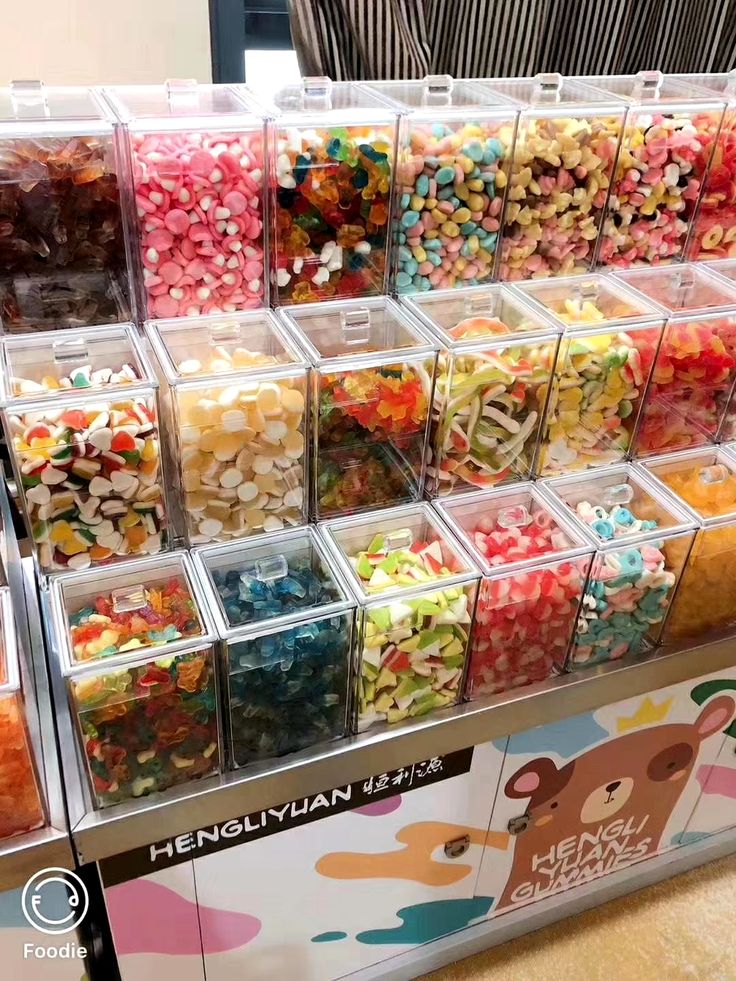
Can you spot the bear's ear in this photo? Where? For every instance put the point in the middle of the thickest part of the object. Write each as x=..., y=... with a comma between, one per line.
x=717, y=714
x=540, y=774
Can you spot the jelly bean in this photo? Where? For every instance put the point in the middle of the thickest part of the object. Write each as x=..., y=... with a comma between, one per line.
x=20, y=805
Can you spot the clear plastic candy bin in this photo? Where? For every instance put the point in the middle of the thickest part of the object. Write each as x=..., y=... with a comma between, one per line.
x=610, y=341
x=642, y=539
x=62, y=181
x=235, y=399
x=455, y=145
x=196, y=224
x=416, y=591
x=535, y=564
x=493, y=374
x=136, y=646
x=333, y=147
x=80, y=412
x=372, y=374
x=285, y=620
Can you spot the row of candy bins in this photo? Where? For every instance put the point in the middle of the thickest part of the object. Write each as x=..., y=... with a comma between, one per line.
x=135, y=642
x=81, y=420
x=688, y=402
x=642, y=540
x=610, y=338
x=62, y=181
x=234, y=400
x=372, y=374
x=285, y=619
x=494, y=368
x=21, y=808
x=454, y=151
x=534, y=567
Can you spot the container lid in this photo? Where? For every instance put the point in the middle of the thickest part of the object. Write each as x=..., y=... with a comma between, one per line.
x=9, y=669
x=370, y=331
x=714, y=83
x=72, y=363
x=681, y=289
x=652, y=87
x=705, y=479
x=179, y=101
x=722, y=267
x=551, y=91
x=435, y=94
x=479, y=316
x=270, y=583
x=32, y=107
x=217, y=347
x=329, y=103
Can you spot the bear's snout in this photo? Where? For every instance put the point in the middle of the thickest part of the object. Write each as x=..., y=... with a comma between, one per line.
x=606, y=800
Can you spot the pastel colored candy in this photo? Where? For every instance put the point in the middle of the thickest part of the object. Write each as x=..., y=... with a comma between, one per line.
x=714, y=230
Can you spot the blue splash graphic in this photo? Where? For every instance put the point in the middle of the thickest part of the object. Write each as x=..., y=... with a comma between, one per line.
x=689, y=837
x=429, y=921
x=329, y=936
x=55, y=905
x=566, y=737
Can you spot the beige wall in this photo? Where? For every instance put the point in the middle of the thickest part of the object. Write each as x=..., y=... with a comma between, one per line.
x=94, y=41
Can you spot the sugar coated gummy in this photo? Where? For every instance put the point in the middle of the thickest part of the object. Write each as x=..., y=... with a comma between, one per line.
x=714, y=230
x=413, y=650
x=20, y=805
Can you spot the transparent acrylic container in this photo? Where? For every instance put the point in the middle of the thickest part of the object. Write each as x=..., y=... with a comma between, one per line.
x=62, y=179
x=197, y=224
x=332, y=155
x=416, y=590
x=285, y=620
x=661, y=168
x=372, y=374
x=695, y=369
x=535, y=564
x=610, y=341
x=235, y=400
x=566, y=146
x=21, y=809
x=493, y=374
x=136, y=647
x=81, y=420
x=455, y=146
x=705, y=480
x=642, y=541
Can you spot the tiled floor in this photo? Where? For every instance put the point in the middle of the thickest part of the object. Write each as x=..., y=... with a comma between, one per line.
x=683, y=929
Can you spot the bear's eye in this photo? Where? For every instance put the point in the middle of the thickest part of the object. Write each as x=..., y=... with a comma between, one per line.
x=553, y=805
x=669, y=761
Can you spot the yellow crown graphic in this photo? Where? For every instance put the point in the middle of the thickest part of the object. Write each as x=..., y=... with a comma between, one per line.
x=646, y=715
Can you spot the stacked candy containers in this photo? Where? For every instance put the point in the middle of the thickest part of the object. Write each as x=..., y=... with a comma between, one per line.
x=454, y=153
x=197, y=222
x=493, y=374
x=372, y=375
x=21, y=809
x=610, y=341
x=235, y=399
x=62, y=246
x=80, y=412
x=331, y=176
x=642, y=540
x=562, y=167
x=695, y=368
x=135, y=643
x=284, y=617
x=705, y=479
x=665, y=152
x=535, y=565
x=416, y=591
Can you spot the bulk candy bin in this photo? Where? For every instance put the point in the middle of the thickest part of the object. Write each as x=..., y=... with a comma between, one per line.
x=234, y=392
x=80, y=415
x=135, y=644
x=331, y=173
x=62, y=247
x=534, y=564
x=695, y=368
x=664, y=157
x=373, y=369
x=416, y=591
x=493, y=373
x=611, y=337
x=285, y=619
x=642, y=539
x=197, y=223
x=563, y=162
x=705, y=480
x=454, y=153
x=21, y=809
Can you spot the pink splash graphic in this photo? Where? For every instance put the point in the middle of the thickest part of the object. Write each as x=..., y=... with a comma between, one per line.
x=719, y=780
x=380, y=807
x=147, y=918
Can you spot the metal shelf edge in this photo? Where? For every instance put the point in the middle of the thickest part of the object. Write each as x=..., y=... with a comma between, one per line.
x=20, y=857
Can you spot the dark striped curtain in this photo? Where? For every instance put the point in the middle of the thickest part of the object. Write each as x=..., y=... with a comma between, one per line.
x=358, y=39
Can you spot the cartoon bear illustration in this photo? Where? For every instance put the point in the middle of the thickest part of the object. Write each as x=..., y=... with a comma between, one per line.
x=605, y=809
